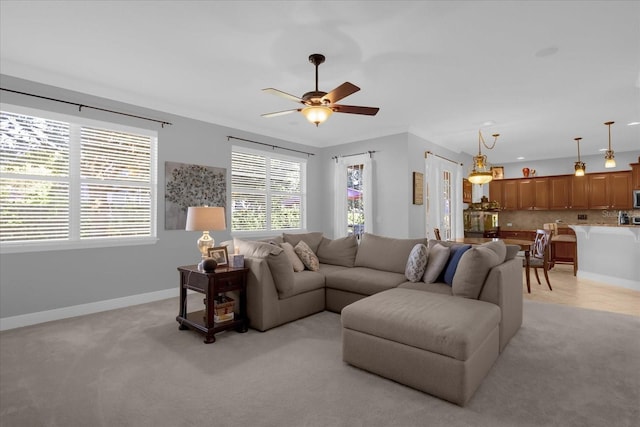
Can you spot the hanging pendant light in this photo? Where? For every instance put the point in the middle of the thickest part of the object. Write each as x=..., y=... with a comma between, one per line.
x=609, y=161
x=579, y=166
x=479, y=174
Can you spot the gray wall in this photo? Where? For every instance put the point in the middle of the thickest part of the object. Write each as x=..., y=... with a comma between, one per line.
x=39, y=281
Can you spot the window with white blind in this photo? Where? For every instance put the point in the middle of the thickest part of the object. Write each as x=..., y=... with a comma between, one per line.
x=67, y=182
x=267, y=191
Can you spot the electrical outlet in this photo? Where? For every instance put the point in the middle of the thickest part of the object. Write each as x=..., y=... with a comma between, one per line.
x=509, y=224
x=582, y=216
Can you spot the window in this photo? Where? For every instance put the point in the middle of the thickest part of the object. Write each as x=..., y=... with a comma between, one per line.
x=355, y=199
x=67, y=182
x=267, y=191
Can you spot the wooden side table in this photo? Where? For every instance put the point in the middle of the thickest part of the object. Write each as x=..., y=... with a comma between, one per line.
x=224, y=279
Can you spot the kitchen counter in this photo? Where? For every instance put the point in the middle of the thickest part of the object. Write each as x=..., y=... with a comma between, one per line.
x=609, y=253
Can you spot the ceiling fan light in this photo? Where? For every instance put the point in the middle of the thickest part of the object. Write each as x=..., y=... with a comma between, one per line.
x=317, y=113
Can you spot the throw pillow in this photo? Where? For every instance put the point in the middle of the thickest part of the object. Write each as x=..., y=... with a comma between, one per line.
x=309, y=259
x=417, y=263
x=437, y=259
x=293, y=257
x=474, y=267
x=311, y=239
x=452, y=264
x=282, y=272
x=340, y=251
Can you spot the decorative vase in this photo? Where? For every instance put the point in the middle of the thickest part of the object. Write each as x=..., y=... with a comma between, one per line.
x=525, y=172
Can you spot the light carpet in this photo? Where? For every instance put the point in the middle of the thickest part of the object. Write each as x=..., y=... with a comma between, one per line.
x=132, y=367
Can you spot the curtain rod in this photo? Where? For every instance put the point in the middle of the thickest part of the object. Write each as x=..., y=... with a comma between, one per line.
x=269, y=145
x=80, y=106
x=351, y=155
x=426, y=153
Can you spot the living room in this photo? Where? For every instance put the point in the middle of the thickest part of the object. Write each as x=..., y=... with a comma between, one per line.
x=41, y=286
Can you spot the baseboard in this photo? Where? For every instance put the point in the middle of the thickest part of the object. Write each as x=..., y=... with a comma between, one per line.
x=610, y=280
x=7, y=323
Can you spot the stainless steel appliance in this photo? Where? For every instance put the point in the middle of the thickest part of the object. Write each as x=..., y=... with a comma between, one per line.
x=623, y=218
x=635, y=220
x=636, y=199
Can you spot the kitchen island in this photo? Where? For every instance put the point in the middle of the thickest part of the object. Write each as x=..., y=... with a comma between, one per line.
x=609, y=254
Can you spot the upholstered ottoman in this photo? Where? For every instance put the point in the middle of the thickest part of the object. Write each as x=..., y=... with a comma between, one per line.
x=440, y=344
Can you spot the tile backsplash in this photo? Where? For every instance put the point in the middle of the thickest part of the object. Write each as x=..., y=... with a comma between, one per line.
x=531, y=220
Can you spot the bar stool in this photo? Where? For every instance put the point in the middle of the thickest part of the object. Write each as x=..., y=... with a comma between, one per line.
x=564, y=238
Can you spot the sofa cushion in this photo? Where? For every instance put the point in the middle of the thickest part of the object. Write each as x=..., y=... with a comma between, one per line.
x=306, y=255
x=311, y=239
x=436, y=287
x=254, y=249
x=437, y=259
x=304, y=281
x=384, y=253
x=512, y=251
x=417, y=263
x=340, y=251
x=452, y=264
x=293, y=257
x=363, y=281
x=474, y=267
x=281, y=271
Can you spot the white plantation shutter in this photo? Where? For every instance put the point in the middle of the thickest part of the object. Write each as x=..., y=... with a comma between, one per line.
x=74, y=183
x=267, y=191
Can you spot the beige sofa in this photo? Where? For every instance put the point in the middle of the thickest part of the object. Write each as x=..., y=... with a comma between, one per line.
x=349, y=272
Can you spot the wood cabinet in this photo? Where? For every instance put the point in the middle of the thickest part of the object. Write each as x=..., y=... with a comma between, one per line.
x=467, y=191
x=533, y=194
x=635, y=176
x=610, y=190
x=579, y=194
x=559, y=192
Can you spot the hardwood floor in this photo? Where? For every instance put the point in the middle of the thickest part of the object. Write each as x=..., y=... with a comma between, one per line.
x=569, y=290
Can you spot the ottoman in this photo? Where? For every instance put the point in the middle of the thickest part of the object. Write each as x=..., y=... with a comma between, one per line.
x=440, y=344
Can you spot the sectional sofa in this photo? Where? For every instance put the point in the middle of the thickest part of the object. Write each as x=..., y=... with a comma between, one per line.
x=463, y=303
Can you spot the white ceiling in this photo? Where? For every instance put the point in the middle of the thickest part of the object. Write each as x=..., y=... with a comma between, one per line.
x=543, y=72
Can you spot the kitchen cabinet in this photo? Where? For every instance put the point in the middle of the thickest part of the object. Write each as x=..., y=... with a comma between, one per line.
x=533, y=194
x=559, y=192
x=579, y=194
x=610, y=190
x=635, y=176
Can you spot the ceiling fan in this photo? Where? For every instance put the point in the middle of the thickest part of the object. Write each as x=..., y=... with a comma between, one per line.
x=318, y=105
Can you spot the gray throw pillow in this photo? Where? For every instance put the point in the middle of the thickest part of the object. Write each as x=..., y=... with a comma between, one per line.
x=474, y=267
x=311, y=239
x=341, y=251
x=437, y=259
x=281, y=271
x=417, y=263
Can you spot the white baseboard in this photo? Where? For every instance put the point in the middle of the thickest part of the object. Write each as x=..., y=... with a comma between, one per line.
x=610, y=280
x=82, y=309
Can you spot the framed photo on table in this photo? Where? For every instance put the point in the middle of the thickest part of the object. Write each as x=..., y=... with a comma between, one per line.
x=220, y=254
x=497, y=172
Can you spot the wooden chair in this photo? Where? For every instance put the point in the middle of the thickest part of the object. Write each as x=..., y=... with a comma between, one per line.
x=539, y=257
x=436, y=232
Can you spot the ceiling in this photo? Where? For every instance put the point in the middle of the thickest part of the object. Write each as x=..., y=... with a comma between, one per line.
x=541, y=72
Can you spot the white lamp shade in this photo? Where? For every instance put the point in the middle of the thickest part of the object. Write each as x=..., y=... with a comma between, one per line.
x=205, y=219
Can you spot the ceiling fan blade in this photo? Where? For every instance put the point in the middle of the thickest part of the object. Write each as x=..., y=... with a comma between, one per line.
x=342, y=91
x=280, y=113
x=283, y=94
x=353, y=109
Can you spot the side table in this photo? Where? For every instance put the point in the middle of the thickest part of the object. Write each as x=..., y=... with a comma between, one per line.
x=224, y=279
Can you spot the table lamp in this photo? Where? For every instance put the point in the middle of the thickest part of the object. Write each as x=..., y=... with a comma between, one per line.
x=205, y=218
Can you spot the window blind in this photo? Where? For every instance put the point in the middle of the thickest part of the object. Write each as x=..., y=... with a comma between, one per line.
x=73, y=181
x=267, y=192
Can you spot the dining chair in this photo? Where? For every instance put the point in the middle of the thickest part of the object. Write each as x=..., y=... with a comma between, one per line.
x=539, y=255
x=436, y=231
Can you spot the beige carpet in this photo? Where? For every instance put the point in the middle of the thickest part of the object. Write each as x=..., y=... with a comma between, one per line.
x=133, y=367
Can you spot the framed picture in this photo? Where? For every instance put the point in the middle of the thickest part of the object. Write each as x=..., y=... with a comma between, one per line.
x=220, y=254
x=497, y=172
x=418, y=188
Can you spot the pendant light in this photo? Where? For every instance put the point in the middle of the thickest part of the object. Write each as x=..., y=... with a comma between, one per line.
x=479, y=174
x=609, y=161
x=579, y=166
